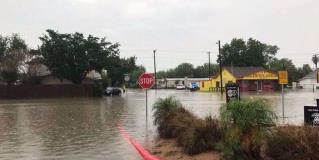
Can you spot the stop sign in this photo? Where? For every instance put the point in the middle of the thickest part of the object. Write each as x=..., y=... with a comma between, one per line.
x=146, y=80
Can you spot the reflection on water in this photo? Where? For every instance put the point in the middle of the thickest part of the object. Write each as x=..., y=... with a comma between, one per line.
x=85, y=128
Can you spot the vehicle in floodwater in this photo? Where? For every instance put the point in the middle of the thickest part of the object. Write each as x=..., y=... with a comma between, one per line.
x=112, y=91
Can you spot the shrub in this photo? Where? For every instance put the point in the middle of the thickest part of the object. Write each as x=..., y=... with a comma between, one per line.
x=163, y=109
x=294, y=143
x=97, y=89
x=194, y=135
x=245, y=124
x=202, y=136
x=180, y=121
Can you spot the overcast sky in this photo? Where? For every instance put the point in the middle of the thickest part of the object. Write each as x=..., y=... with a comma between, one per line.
x=180, y=30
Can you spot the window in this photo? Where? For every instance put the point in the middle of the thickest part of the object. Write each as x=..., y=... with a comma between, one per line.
x=203, y=84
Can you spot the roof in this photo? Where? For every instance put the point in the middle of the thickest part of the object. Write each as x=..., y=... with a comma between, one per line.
x=311, y=75
x=240, y=72
x=42, y=70
x=36, y=60
x=182, y=79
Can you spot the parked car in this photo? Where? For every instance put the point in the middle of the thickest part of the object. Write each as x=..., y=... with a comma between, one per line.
x=112, y=91
x=194, y=88
x=180, y=87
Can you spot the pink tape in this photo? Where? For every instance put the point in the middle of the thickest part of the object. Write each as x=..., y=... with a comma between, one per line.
x=143, y=153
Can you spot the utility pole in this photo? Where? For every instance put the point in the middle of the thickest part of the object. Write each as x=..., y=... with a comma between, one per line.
x=220, y=68
x=208, y=63
x=155, y=86
x=209, y=75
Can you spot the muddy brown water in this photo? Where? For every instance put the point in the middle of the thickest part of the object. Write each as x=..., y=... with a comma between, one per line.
x=86, y=128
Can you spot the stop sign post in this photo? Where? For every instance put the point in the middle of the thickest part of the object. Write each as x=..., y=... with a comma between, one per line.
x=146, y=81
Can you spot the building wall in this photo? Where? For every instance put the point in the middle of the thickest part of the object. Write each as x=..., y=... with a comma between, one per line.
x=308, y=83
x=247, y=83
x=45, y=91
x=251, y=85
x=50, y=80
x=205, y=85
x=227, y=77
x=172, y=83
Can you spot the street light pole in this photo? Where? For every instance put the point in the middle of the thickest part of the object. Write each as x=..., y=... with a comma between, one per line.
x=208, y=63
x=155, y=86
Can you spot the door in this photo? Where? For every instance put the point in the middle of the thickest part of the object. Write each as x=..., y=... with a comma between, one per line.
x=259, y=85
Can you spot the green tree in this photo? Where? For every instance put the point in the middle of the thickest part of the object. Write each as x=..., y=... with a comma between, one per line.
x=171, y=73
x=120, y=67
x=250, y=53
x=13, y=52
x=285, y=64
x=315, y=60
x=161, y=74
x=134, y=75
x=306, y=69
x=184, y=70
x=303, y=71
x=72, y=56
x=203, y=70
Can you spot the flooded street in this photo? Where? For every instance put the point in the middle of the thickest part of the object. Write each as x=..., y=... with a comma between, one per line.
x=86, y=128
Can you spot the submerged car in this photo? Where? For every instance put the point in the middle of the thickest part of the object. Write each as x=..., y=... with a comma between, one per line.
x=112, y=91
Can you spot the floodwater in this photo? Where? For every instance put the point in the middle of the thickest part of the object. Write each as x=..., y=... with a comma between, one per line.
x=86, y=128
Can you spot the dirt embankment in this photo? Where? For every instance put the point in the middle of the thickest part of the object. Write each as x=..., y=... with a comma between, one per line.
x=168, y=150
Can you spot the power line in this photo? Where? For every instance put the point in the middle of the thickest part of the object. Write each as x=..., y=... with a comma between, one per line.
x=167, y=50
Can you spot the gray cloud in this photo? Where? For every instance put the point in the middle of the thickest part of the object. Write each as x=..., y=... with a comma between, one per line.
x=181, y=30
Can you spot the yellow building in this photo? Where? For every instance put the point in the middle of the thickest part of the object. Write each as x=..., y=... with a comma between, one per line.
x=248, y=78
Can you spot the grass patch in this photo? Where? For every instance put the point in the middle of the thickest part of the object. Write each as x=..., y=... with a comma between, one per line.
x=294, y=143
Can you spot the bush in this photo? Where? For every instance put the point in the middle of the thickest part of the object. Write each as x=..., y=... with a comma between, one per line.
x=180, y=121
x=194, y=135
x=202, y=136
x=163, y=108
x=294, y=143
x=245, y=124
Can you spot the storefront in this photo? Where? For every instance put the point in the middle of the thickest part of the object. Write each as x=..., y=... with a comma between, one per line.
x=248, y=78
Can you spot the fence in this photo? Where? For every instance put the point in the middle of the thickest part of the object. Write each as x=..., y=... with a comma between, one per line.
x=45, y=91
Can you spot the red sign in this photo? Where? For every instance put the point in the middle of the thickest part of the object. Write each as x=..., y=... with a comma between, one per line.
x=146, y=81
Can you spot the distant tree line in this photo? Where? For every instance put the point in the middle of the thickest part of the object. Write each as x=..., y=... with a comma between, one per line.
x=188, y=70
x=242, y=53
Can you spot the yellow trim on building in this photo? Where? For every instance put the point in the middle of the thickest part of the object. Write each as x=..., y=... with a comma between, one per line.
x=215, y=81
x=208, y=85
x=261, y=75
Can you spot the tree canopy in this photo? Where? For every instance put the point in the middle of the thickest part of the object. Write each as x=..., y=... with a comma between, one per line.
x=250, y=53
x=119, y=67
x=315, y=60
x=13, y=52
x=188, y=70
x=72, y=56
x=294, y=73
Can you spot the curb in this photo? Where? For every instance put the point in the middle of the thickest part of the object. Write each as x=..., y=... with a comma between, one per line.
x=143, y=153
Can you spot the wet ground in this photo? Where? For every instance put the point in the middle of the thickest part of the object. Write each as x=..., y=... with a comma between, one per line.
x=86, y=128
